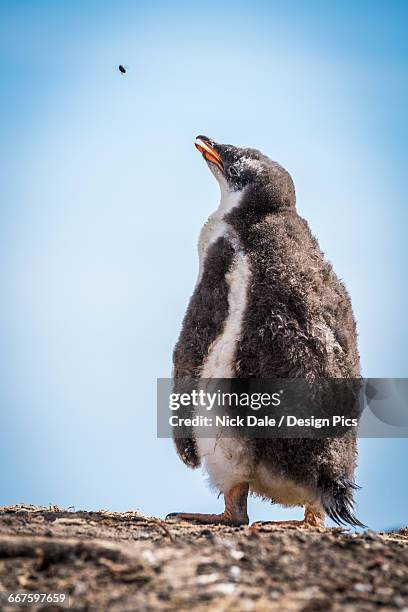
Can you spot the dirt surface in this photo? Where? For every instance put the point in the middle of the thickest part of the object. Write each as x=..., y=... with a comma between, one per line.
x=127, y=562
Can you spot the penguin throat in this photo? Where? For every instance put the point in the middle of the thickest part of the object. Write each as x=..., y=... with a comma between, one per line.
x=229, y=200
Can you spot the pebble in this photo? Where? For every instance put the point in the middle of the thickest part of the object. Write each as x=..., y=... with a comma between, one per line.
x=237, y=554
x=226, y=588
x=149, y=557
x=362, y=588
x=207, y=578
x=235, y=571
x=368, y=534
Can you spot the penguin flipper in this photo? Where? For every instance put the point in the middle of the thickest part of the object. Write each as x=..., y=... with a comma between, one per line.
x=188, y=452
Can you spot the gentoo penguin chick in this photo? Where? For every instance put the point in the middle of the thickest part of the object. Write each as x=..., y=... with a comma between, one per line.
x=266, y=305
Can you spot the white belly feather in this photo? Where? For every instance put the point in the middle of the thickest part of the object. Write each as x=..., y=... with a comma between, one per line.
x=220, y=359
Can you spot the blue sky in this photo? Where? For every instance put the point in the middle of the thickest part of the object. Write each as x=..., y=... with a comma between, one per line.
x=103, y=195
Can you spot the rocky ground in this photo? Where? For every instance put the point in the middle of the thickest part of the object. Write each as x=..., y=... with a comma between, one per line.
x=127, y=562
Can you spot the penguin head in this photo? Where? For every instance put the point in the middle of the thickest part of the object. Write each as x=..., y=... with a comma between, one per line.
x=238, y=169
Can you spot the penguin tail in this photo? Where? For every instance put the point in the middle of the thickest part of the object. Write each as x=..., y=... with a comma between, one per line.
x=338, y=502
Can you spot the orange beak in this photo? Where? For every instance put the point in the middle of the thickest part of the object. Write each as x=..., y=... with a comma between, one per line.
x=209, y=153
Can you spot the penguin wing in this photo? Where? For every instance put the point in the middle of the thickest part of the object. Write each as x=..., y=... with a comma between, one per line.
x=187, y=451
x=299, y=321
x=202, y=323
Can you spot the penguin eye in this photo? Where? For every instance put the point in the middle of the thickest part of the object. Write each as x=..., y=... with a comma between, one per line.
x=232, y=171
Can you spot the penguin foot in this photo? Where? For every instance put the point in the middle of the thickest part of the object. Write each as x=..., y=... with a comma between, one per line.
x=235, y=512
x=313, y=518
x=207, y=519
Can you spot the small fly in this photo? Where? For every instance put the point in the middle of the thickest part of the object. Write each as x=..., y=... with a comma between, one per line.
x=122, y=69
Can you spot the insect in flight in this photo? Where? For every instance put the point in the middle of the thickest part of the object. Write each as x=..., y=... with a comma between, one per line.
x=122, y=69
